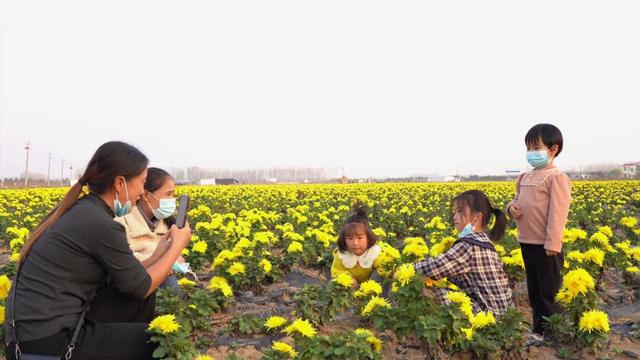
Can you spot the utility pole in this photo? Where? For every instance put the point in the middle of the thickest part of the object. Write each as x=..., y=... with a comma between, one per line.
x=49, y=171
x=62, y=172
x=26, y=169
x=70, y=173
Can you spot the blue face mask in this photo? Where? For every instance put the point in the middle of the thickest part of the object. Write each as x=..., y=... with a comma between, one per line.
x=119, y=209
x=167, y=208
x=182, y=268
x=466, y=231
x=537, y=159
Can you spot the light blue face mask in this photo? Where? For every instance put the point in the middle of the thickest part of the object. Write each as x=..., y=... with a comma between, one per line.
x=182, y=268
x=167, y=208
x=119, y=209
x=466, y=231
x=537, y=159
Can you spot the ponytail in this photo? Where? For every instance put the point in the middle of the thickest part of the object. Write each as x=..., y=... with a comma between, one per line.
x=359, y=214
x=500, y=225
x=112, y=159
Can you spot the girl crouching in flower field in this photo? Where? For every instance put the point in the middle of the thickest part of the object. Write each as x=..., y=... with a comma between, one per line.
x=472, y=263
x=357, y=252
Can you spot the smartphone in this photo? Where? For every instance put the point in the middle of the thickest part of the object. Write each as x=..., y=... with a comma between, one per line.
x=183, y=209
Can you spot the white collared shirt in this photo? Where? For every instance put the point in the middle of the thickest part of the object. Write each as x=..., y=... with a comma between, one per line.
x=349, y=260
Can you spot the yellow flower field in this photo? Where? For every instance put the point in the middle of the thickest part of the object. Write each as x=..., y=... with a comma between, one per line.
x=247, y=238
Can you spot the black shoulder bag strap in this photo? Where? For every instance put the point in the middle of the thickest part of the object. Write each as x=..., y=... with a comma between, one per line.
x=19, y=355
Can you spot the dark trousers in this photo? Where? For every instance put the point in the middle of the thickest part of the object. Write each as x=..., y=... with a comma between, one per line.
x=114, y=329
x=543, y=282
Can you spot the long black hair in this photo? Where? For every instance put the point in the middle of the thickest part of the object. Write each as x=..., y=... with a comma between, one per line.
x=358, y=217
x=478, y=202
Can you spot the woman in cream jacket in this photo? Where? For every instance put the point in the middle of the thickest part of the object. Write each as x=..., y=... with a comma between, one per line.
x=148, y=223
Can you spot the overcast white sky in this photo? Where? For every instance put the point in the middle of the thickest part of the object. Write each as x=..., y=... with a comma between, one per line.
x=380, y=88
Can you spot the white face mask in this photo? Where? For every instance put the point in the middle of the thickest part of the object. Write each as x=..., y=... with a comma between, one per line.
x=167, y=208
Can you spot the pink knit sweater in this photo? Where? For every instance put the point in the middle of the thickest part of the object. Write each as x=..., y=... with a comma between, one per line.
x=543, y=196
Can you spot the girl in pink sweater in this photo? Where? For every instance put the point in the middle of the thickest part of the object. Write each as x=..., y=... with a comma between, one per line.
x=540, y=209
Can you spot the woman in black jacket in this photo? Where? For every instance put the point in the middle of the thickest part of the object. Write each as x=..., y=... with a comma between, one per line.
x=78, y=250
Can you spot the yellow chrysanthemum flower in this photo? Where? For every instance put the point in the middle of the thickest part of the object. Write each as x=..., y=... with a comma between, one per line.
x=365, y=332
x=284, y=348
x=388, y=252
x=265, y=237
x=576, y=256
x=442, y=246
x=302, y=327
x=632, y=269
x=571, y=235
x=369, y=287
x=186, y=282
x=344, y=279
x=594, y=320
x=375, y=343
x=482, y=319
x=594, y=255
x=371, y=339
x=220, y=283
x=379, y=232
x=222, y=257
x=275, y=322
x=5, y=286
x=575, y=282
x=467, y=310
x=405, y=273
x=236, y=268
x=203, y=357
x=375, y=302
x=294, y=247
x=266, y=265
x=243, y=243
x=199, y=247
x=468, y=332
x=603, y=240
x=458, y=297
x=606, y=230
x=629, y=222
x=165, y=324
x=563, y=297
x=416, y=249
